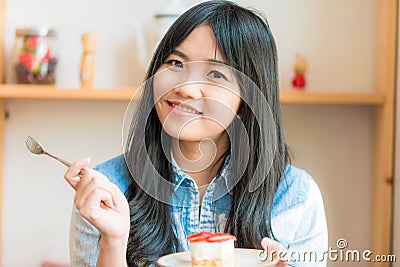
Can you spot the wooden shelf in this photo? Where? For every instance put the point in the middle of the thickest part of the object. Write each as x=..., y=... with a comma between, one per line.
x=294, y=97
x=12, y=91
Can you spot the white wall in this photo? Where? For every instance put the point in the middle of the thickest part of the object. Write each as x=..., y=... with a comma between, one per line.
x=37, y=200
x=337, y=38
x=338, y=154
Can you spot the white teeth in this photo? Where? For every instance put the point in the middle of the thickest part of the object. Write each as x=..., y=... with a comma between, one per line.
x=185, y=109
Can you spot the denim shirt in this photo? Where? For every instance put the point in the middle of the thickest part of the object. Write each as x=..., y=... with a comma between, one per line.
x=298, y=216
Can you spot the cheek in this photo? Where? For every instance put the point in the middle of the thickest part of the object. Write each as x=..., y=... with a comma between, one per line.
x=164, y=81
x=160, y=86
x=224, y=109
x=160, y=112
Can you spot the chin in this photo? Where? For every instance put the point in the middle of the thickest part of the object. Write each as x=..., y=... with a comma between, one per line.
x=193, y=133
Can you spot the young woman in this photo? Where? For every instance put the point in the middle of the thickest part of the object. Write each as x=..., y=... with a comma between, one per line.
x=205, y=152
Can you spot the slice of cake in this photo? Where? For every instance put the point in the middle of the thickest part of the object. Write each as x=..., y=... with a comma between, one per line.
x=212, y=249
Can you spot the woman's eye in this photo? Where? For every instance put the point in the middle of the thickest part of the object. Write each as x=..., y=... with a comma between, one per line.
x=174, y=63
x=216, y=74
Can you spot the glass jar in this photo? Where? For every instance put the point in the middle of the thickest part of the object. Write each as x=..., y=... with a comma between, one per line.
x=33, y=61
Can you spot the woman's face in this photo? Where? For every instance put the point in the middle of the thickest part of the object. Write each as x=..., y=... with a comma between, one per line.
x=196, y=94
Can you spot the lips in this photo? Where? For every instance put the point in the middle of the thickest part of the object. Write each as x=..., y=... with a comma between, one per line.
x=185, y=108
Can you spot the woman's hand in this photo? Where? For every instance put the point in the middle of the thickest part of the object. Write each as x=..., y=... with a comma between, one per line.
x=100, y=202
x=276, y=249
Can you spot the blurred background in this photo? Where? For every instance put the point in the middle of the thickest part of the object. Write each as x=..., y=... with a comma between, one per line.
x=334, y=143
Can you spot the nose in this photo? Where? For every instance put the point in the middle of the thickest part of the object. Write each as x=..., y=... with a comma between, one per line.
x=191, y=91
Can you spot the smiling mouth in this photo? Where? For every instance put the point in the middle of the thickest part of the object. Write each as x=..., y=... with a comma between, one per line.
x=184, y=109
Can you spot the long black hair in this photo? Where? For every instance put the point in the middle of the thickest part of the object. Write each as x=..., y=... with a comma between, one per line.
x=248, y=46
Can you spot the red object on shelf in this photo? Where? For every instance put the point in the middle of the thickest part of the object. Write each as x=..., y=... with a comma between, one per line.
x=300, y=68
x=299, y=81
x=32, y=61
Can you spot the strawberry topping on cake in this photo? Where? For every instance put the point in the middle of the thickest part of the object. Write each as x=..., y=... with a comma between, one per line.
x=212, y=249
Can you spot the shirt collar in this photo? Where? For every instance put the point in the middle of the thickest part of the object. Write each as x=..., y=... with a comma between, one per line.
x=179, y=176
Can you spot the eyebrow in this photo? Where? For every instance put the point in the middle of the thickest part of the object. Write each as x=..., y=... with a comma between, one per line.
x=185, y=57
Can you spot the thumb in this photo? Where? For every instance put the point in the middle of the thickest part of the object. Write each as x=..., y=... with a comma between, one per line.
x=275, y=250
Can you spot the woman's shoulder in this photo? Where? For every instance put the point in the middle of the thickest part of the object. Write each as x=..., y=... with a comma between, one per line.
x=116, y=171
x=294, y=190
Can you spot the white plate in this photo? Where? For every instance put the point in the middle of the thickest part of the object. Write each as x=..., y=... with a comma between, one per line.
x=243, y=258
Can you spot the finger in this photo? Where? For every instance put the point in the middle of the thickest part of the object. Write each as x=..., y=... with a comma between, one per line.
x=86, y=176
x=88, y=186
x=93, y=206
x=275, y=249
x=268, y=243
x=73, y=172
x=119, y=198
x=281, y=264
x=99, y=175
